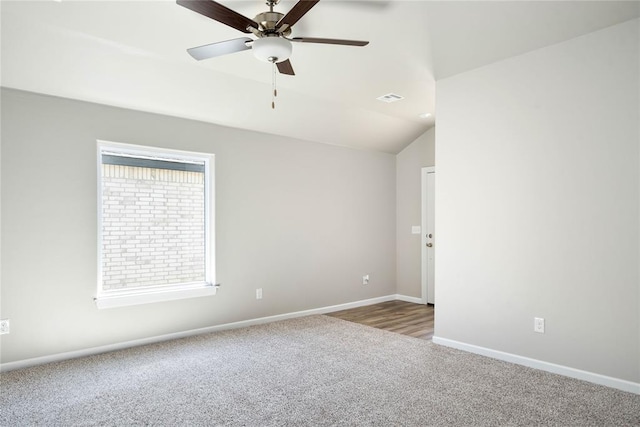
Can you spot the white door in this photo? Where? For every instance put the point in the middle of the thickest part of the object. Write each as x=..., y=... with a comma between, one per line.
x=428, y=234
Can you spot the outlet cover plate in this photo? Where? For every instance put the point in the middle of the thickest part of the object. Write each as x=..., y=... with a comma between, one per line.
x=4, y=326
x=538, y=325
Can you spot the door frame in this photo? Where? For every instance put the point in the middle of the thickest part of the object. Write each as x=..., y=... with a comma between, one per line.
x=423, y=228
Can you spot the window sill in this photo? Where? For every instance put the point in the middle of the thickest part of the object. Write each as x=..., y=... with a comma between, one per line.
x=147, y=296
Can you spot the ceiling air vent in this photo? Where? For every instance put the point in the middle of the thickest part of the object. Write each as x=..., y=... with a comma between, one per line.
x=390, y=97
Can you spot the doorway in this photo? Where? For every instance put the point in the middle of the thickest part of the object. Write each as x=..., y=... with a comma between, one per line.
x=428, y=234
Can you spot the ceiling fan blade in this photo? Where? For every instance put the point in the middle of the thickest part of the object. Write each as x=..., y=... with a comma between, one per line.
x=220, y=13
x=296, y=12
x=220, y=48
x=285, y=67
x=329, y=41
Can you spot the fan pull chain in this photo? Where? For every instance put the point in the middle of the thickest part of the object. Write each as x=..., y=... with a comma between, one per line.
x=273, y=85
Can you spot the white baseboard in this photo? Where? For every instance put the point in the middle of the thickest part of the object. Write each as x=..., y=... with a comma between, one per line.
x=405, y=298
x=544, y=366
x=19, y=364
x=507, y=357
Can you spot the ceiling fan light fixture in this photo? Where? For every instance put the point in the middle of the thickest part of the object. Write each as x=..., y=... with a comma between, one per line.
x=272, y=49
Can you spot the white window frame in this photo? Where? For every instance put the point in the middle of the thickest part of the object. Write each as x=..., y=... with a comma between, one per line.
x=151, y=294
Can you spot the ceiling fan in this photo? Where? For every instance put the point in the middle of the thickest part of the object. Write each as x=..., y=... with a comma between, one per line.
x=272, y=30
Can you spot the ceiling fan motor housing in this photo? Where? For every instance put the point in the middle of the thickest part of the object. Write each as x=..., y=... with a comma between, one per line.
x=267, y=22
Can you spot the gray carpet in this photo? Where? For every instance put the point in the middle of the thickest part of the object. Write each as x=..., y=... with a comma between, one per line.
x=313, y=371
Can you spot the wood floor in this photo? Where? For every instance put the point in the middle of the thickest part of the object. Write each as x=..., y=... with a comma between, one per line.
x=405, y=318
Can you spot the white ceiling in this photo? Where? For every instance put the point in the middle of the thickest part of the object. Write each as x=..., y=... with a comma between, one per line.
x=132, y=54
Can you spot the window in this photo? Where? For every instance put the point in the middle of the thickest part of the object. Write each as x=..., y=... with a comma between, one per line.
x=155, y=225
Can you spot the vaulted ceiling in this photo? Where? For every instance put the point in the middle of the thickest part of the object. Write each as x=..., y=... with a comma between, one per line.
x=133, y=54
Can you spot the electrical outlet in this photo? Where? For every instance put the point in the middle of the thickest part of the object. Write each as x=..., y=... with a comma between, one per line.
x=538, y=325
x=259, y=293
x=4, y=326
x=365, y=279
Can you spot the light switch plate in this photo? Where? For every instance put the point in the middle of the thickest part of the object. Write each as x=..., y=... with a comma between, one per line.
x=415, y=229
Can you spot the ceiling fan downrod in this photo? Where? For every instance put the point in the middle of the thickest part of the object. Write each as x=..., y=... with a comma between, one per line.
x=272, y=3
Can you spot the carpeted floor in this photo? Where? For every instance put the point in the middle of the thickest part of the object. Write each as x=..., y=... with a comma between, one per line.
x=313, y=371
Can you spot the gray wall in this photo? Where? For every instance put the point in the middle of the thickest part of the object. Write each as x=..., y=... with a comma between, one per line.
x=409, y=163
x=537, y=204
x=303, y=221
